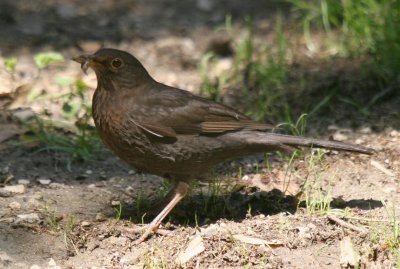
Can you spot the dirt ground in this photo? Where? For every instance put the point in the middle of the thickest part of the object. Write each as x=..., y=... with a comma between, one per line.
x=57, y=214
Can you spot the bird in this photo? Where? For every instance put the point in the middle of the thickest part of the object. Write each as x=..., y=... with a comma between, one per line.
x=172, y=133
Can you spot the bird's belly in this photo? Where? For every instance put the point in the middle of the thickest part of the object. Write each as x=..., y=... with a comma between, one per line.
x=187, y=157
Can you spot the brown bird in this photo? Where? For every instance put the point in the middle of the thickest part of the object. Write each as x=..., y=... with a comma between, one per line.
x=172, y=133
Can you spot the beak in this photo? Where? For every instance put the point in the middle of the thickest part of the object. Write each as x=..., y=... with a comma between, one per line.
x=85, y=61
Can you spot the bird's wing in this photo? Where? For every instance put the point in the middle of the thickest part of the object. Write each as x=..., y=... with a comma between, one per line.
x=172, y=111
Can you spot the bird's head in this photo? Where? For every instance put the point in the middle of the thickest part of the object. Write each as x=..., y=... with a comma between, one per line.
x=114, y=67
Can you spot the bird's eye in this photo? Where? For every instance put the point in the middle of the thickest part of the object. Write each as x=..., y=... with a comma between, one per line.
x=116, y=63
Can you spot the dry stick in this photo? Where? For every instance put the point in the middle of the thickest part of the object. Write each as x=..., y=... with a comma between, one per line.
x=369, y=220
x=346, y=224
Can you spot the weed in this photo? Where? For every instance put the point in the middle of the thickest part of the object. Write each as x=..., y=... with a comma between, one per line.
x=42, y=60
x=73, y=134
x=10, y=64
x=361, y=28
x=118, y=212
x=392, y=237
x=264, y=77
x=316, y=200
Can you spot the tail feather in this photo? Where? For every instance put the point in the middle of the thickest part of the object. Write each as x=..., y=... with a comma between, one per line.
x=280, y=140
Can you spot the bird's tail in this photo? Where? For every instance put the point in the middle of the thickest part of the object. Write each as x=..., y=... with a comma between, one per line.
x=281, y=141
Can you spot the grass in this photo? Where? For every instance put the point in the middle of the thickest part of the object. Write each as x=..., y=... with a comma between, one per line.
x=261, y=72
x=72, y=134
x=317, y=201
x=355, y=29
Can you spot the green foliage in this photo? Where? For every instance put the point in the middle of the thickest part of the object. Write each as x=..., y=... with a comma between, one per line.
x=316, y=200
x=260, y=74
x=298, y=128
x=361, y=27
x=207, y=87
x=42, y=60
x=73, y=134
x=10, y=64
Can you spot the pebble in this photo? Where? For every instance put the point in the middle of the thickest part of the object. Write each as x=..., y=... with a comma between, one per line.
x=245, y=177
x=52, y=264
x=5, y=259
x=44, y=181
x=91, y=186
x=85, y=223
x=89, y=172
x=118, y=241
x=338, y=136
x=14, y=205
x=115, y=203
x=24, y=114
x=4, y=193
x=35, y=266
x=56, y=185
x=15, y=189
x=359, y=141
x=366, y=130
x=100, y=217
x=394, y=133
x=30, y=218
x=24, y=181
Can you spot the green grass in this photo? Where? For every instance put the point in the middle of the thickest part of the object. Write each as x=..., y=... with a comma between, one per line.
x=71, y=134
x=356, y=29
x=260, y=74
x=317, y=201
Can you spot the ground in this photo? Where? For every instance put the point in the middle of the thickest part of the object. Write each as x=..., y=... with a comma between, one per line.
x=260, y=212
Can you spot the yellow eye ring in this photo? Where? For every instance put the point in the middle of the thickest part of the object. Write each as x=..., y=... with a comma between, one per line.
x=117, y=63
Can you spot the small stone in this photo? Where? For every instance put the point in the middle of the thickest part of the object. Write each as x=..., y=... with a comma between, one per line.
x=14, y=205
x=85, y=223
x=35, y=267
x=100, y=217
x=5, y=259
x=44, y=181
x=115, y=203
x=366, y=130
x=245, y=177
x=91, y=186
x=5, y=193
x=359, y=141
x=24, y=114
x=29, y=218
x=15, y=189
x=89, y=172
x=52, y=264
x=118, y=241
x=24, y=181
x=56, y=185
x=338, y=136
x=394, y=133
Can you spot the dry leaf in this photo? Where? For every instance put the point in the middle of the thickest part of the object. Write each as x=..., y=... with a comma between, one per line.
x=255, y=241
x=349, y=257
x=194, y=248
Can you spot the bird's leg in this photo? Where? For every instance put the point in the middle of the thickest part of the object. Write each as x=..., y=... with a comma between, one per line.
x=180, y=190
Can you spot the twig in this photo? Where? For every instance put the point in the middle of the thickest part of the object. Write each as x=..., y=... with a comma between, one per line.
x=346, y=224
x=369, y=220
